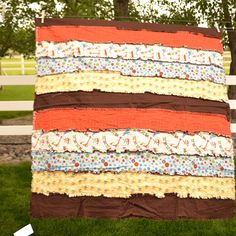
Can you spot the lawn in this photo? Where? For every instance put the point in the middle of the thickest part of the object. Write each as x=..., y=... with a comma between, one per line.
x=16, y=68
x=15, y=194
x=16, y=93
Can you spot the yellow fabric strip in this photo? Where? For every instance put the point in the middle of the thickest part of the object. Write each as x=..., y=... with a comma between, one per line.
x=114, y=82
x=126, y=184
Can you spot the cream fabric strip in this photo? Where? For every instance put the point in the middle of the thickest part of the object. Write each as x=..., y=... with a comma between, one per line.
x=114, y=82
x=126, y=184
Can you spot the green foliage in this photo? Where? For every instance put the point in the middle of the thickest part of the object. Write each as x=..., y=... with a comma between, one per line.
x=17, y=19
x=194, y=12
x=88, y=9
x=22, y=42
x=17, y=31
x=6, y=35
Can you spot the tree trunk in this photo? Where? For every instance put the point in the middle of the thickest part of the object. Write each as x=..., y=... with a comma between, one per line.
x=232, y=89
x=231, y=36
x=121, y=9
x=232, y=45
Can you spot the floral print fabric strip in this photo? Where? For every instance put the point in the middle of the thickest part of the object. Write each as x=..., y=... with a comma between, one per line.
x=114, y=82
x=147, y=162
x=126, y=184
x=133, y=140
x=128, y=51
x=49, y=66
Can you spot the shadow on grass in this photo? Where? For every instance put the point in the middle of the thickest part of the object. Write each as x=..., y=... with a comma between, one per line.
x=14, y=198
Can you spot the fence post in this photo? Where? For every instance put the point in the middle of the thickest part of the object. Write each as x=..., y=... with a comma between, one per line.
x=22, y=65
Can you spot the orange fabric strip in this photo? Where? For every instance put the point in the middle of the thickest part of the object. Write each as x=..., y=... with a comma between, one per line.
x=120, y=118
x=98, y=34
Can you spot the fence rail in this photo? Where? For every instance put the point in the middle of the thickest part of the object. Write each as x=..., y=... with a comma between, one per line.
x=28, y=105
x=16, y=130
x=17, y=80
x=17, y=63
x=18, y=66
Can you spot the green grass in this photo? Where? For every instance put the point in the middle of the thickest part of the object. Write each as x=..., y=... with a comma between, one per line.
x=16, y=93
x=14, y=198
x=17, y=72
x=13, y=114
x=16, y=60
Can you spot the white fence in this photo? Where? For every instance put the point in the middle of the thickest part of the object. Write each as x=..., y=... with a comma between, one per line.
x=227, y=60
x=28, y=105
x=19, y=66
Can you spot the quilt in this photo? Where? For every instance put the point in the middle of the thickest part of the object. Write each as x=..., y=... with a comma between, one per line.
x=130, y=120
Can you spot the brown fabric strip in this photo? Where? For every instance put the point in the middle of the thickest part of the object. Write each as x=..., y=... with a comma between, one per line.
x=130, y=25
x=147, y=206
x=99, y=99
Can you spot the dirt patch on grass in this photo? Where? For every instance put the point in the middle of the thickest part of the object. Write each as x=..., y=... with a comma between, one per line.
x=24, y=120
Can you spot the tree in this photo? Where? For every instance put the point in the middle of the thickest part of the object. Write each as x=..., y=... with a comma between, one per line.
x=6, y=36
x=121, y=10
x=230, y=24
x=22, y=42
x=222, y=13
x=17, y=30
x=217, y=13
x=17, y=16
x=87, y=9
